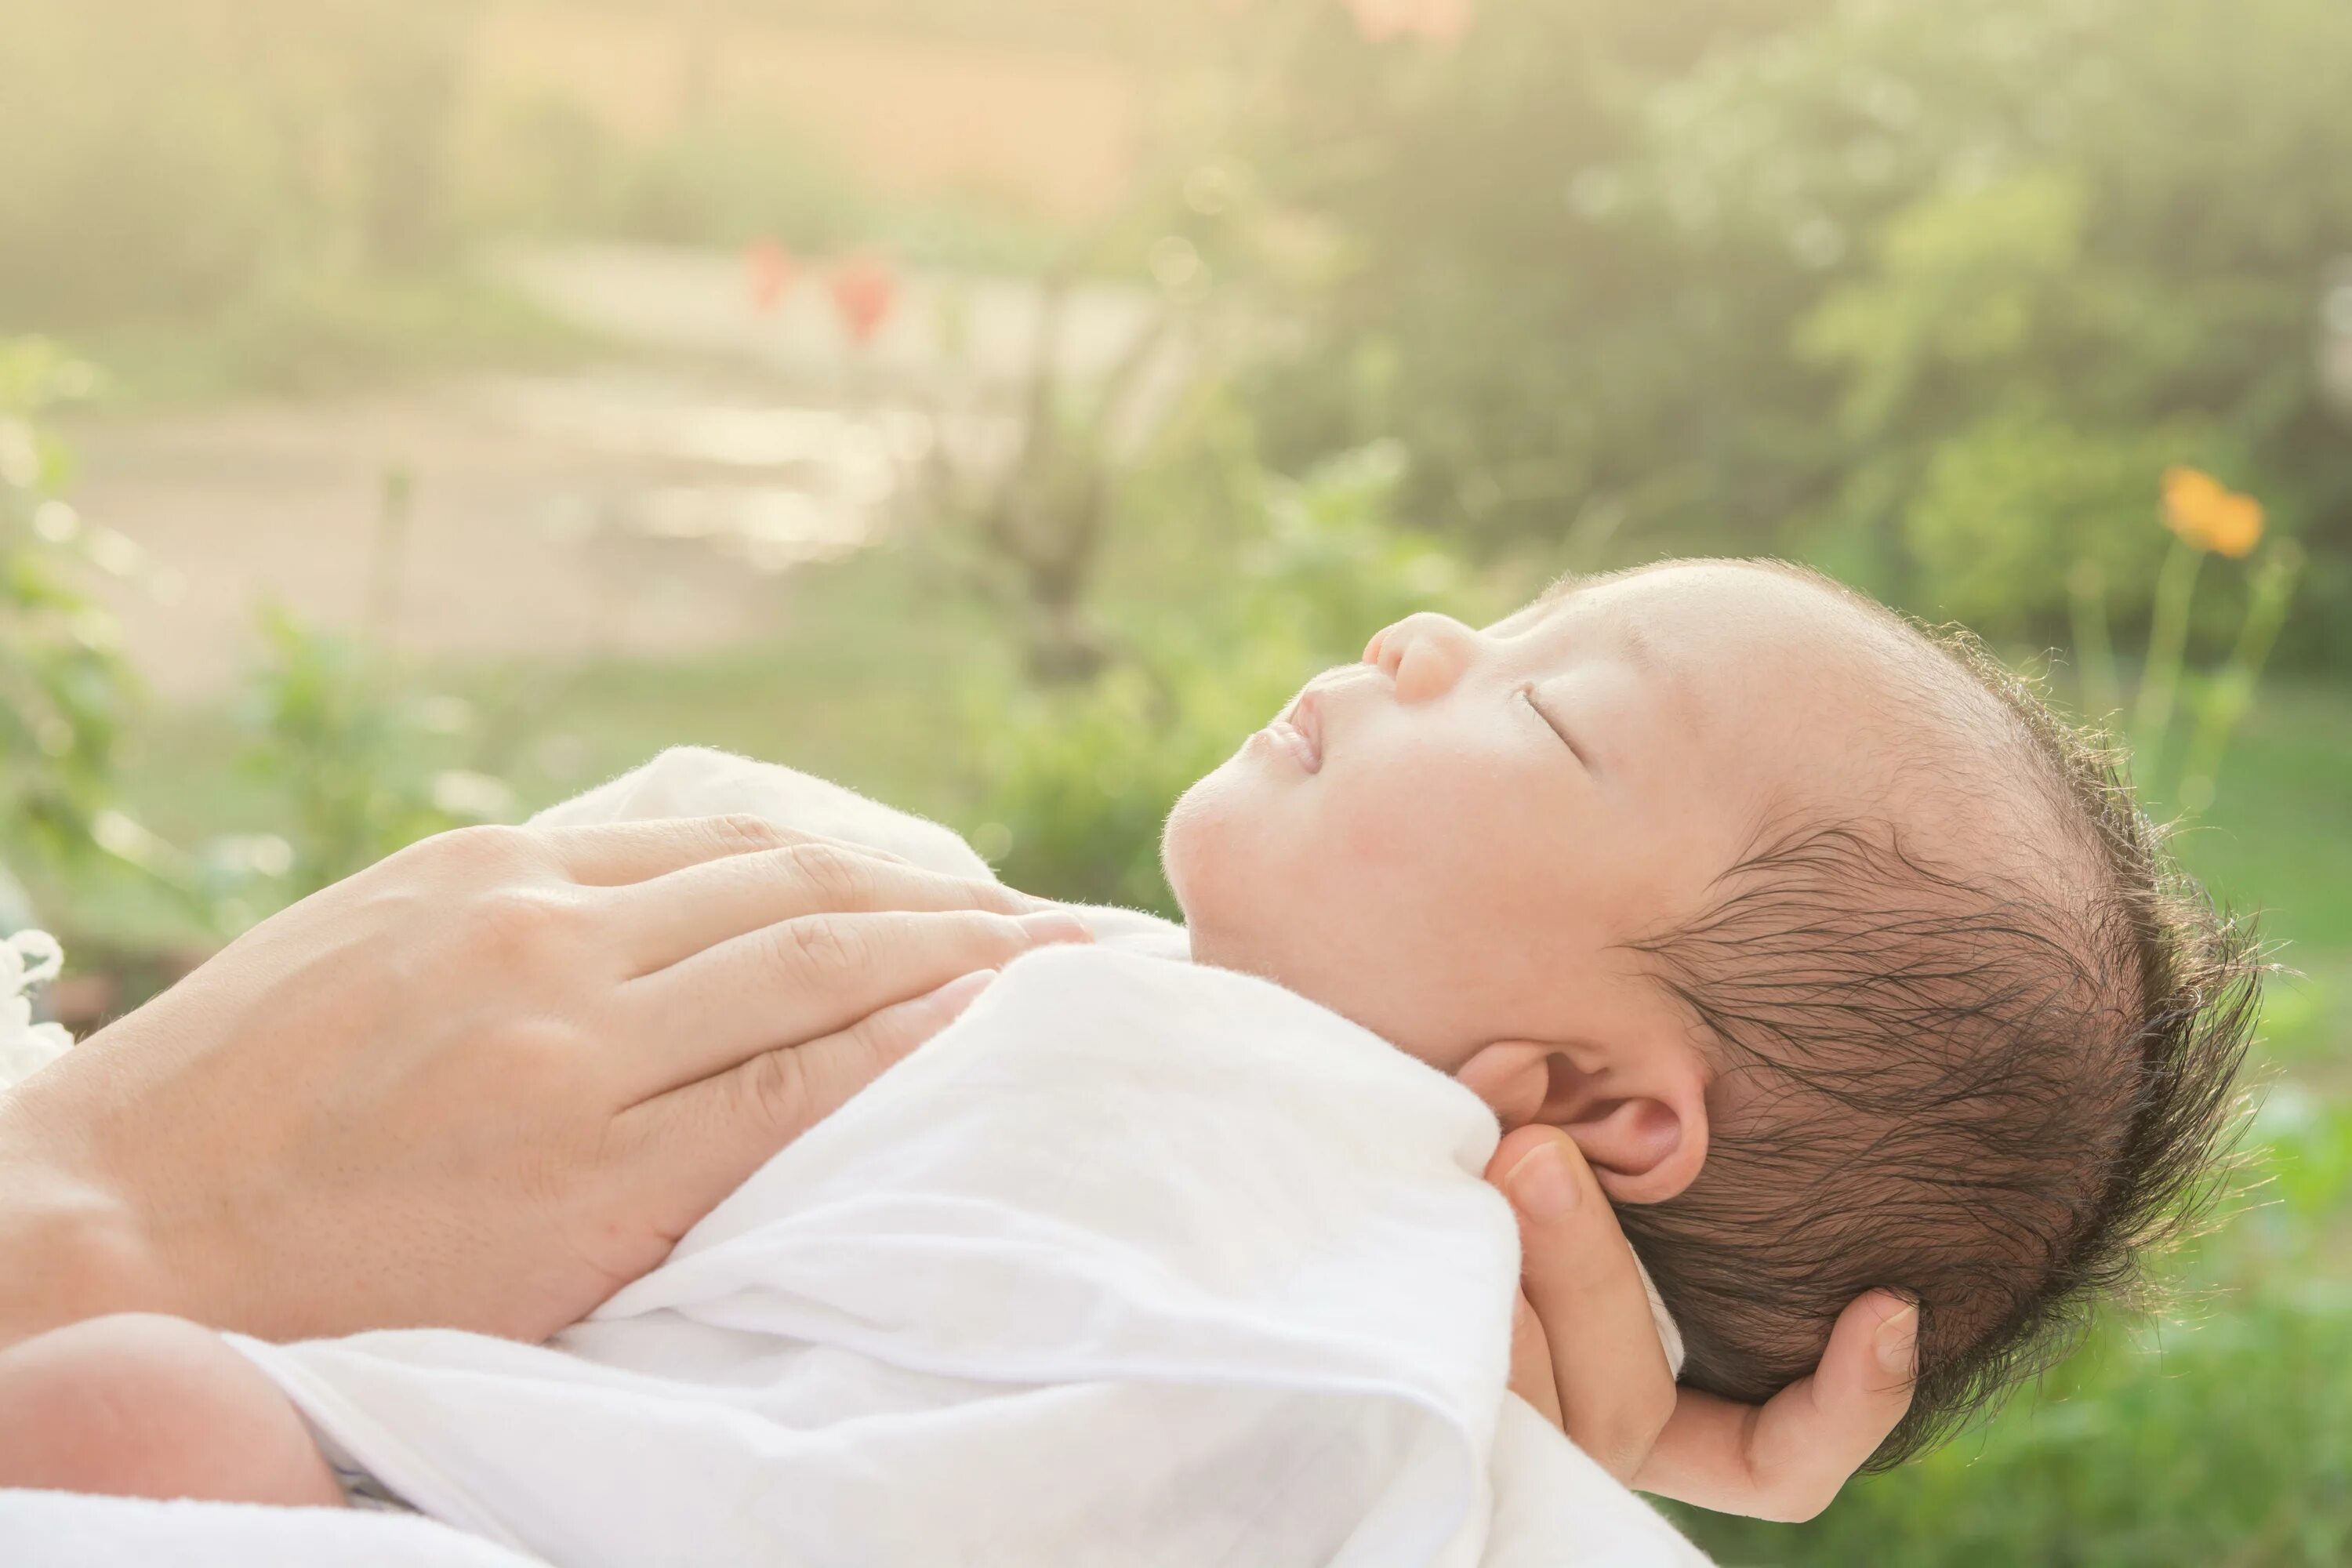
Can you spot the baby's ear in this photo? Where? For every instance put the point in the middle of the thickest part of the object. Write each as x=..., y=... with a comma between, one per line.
x=1641, y=1124
x=1513, y=1077
x=1644, y=1148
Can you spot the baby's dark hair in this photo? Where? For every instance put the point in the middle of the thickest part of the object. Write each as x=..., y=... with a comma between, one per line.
x=1996, y=1093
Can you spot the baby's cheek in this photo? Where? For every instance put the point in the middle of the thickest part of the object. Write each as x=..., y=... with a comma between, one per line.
x=1365, y=838
x=1377, y=833
x=1399, y=865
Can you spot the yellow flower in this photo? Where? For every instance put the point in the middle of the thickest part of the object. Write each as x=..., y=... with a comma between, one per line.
x=2209, y=515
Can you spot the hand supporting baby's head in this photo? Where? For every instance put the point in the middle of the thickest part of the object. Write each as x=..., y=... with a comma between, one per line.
x=1843, y=962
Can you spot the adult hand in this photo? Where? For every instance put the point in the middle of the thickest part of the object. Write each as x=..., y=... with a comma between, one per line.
x=1585, y=1354
x=484, y=1083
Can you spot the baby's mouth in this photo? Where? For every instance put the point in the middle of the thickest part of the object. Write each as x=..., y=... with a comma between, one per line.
x=1299, y=729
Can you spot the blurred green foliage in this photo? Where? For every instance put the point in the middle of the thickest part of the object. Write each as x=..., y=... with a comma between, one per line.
x=1927, y=296
x=64, y=688
x=361, y=757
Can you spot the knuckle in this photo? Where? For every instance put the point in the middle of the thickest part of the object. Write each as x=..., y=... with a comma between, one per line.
x=821, y=944
x=839, y=878
x=973, y=939
x=993, y=896
x=741, y=833
x=992, y=936
x=483, y=848
x=775, y=1088
x=523, y=925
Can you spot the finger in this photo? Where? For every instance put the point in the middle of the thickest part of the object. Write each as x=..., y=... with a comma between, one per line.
x=783, y=984
x=1615, y=1389
x=691, y=1147
x=1788, y=1458
x=673, y=917
x=614, y=854
x=1531, y=1377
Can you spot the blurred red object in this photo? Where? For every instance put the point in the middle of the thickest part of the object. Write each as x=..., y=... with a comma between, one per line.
x=1439, y=21
x=864, y=292
x=768, y=269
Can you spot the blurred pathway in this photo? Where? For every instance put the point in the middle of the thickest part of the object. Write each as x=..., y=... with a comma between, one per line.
x=619, y=511
x=638, y=508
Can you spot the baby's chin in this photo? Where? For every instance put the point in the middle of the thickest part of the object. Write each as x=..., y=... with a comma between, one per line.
x=1242, y=909
x=1218, y=869
x=1189, y=850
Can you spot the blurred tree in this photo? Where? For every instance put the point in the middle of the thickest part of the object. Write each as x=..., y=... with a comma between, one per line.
x=407, y=65
x=168, y=157
x=2062, y=281
x=1480, y=295
x=363, y=755
x=1929, y=295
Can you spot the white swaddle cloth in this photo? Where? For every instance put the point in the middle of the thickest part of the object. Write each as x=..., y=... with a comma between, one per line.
x=1136, y=1263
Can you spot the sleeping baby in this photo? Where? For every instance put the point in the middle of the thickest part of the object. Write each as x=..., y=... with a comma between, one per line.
x=1844, y=963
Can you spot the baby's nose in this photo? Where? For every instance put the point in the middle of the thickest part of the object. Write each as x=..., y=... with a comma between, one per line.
x=1425, y=654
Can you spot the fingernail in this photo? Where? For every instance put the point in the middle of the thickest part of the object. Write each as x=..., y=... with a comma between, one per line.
x=1897, y=1340
x=964, y=990
x=1056, y=925
x=1539, y=1186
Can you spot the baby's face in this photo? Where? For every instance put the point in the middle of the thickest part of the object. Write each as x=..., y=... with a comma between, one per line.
x=1449, y=841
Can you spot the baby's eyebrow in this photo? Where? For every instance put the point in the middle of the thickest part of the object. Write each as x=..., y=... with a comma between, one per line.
x=1634, y=643
x=1640, y=651
x=1534, y=610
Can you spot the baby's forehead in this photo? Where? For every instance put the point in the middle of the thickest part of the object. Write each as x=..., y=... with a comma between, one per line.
x=1759, y=628
x=1795, y=691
